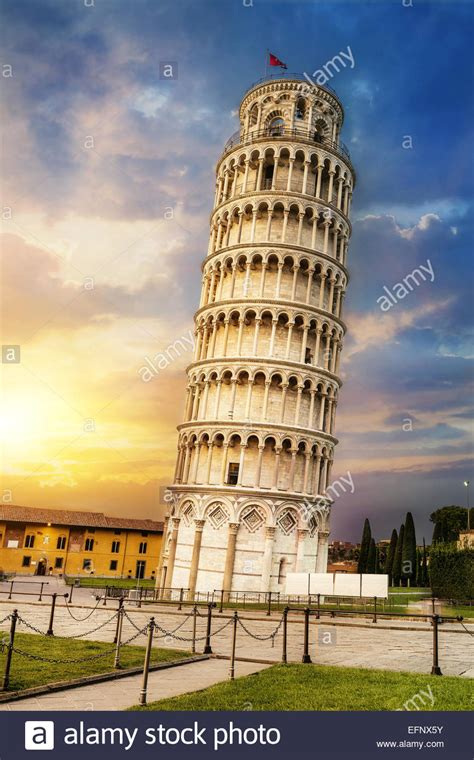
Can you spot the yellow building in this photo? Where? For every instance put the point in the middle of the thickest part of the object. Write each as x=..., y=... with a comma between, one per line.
x=64, y=542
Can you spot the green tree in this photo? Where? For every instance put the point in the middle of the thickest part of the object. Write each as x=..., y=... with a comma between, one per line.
x=448, y=522
x=419, y=570
x=390, y=555
x=424, y=565
x=364, y=547
x=397, y=559
x=371, y=557
x=409, y=551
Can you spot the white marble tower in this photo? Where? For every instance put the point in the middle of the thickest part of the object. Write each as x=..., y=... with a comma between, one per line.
x=256, y=446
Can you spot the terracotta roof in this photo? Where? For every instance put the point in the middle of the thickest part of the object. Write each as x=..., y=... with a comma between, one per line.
x=12, y=513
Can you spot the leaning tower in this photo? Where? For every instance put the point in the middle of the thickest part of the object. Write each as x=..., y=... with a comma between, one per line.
x=255, y=450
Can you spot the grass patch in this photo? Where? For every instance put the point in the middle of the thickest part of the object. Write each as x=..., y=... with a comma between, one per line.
x=322, y=687
x=103, y=582
x=26, y=673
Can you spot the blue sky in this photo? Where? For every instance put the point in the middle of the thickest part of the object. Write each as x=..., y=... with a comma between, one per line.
x=93, y=70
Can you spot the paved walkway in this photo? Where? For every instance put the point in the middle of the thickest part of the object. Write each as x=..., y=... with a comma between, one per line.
x=391, y=645
x=124, y=692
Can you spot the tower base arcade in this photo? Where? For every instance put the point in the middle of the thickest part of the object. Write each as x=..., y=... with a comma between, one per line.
x=240, y=541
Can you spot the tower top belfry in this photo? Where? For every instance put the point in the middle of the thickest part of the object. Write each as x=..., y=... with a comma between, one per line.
x=256, y=446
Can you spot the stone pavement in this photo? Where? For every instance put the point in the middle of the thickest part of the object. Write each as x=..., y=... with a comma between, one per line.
x=124, y=692
x=392, y=645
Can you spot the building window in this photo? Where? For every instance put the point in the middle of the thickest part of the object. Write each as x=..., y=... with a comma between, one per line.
x=233, y=474
x=58, y=563
x=276, y=126
x=89, y=545
x=144, y=533
x=29, y=541
x=117, y=532
x=115, y=547
x=26, y=562
x=301, y=108
x=86, y=564
x=143, y=547
x=113, y=564
x=140, y=571
x=61, y=542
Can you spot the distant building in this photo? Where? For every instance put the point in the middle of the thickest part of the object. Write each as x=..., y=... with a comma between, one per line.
x=466, y=539
x=59, y=541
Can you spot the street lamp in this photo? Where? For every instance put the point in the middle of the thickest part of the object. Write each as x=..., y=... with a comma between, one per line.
x=467, y=484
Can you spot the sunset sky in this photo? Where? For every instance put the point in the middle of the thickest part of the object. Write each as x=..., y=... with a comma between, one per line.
x=95, y=275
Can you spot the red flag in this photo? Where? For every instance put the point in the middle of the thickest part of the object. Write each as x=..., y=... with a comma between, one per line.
x=274, y=61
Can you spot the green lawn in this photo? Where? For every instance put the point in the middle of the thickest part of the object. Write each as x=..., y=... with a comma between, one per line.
x=92, y=582
x=26, y=673
x=317, y=687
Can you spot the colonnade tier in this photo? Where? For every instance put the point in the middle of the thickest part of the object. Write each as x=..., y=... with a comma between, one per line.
x=283, y=169
x=282, y=278
x=285, y=221
x=269, y=334
x=264, y=397
x=263, y=461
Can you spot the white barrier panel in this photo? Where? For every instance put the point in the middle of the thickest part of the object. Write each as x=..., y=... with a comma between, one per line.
x=337, y=584
x=321, y=583
x=375, y=585
x=297, y=584
x=347, y=584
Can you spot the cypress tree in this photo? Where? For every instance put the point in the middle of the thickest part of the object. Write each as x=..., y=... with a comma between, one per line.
x=409, y=551
x=371, y=557
x=418, y=570
x=364, y=547
x=390, y=556
x=424, y=564
x=397, y=559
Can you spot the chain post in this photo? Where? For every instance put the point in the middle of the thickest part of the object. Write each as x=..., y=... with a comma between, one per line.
x=119, y=624
x=193, y=648
x=181, y=593
x=208, y=648
x=221, y=606
x=234, y=641
x=319, y=607
x=269, y=609
x=70, y=595
x=6, y=674
x=50, y=631
x=435, y=670
x=146, y=664
x=306, y=657
x=375, y=610
x=433, y=607
x=285, y=635
x=11, y=589
x=118, y=634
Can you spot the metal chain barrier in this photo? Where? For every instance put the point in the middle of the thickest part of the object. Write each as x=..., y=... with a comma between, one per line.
x=24, y=622
x=256, y=636
x=77, y=660
x=471, y=633
x=81, y=620
x=198, y=638
x=30, y=626
x=4, y=620
x=87, y=633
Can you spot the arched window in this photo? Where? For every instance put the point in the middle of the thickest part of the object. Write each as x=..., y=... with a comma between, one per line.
x=253, y=116
x=276, y=126
x=300, y=108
